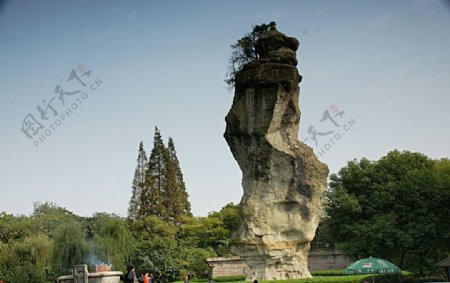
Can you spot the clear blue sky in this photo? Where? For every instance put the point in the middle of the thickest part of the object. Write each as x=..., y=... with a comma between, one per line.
x=386, y=64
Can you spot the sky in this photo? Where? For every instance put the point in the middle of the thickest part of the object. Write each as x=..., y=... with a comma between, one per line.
x=83, y=82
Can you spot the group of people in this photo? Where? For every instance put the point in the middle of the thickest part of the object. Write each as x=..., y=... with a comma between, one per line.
x=131, y=276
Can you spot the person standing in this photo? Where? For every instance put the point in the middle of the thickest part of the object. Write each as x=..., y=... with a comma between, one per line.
x=152, y=278
x=130, y=277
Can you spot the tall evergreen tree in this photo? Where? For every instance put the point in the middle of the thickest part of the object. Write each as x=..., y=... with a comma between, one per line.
x=158, y=186
x=157, y=172
x=181, y=205
x=135, y=205
x=169, y=197
x=148, y=196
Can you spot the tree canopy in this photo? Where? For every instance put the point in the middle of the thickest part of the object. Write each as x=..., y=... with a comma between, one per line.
x=112, y=241
x=394, y=208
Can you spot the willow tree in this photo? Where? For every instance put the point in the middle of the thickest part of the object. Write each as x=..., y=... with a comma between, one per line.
x=112, y=241
x=69, y=246
x=28, y=260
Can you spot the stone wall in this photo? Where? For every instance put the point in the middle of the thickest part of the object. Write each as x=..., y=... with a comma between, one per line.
x=232, y=266
x=227, y=266
x=327, y=261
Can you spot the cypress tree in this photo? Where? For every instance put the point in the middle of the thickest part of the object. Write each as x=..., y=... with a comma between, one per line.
x=148, y=196
x=157, y=172
x=158, y=186
x=170, y=200
x=135, y=205
x=181, y=205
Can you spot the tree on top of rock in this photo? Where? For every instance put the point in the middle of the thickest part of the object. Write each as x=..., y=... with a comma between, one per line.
x=244, y=51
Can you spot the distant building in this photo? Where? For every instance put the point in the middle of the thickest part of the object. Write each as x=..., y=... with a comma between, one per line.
x=445, y=263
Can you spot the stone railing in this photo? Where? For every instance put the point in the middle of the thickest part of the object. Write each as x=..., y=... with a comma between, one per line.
x=80, y=274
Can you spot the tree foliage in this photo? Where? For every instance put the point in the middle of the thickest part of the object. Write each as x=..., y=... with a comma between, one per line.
x=112, y=240
x=394, y=208
x=27, y=243
x=13, y=228
x=157, y=172
x=69, y=246
x=179, y=203
x=48, y=243
x=135, y=206
x=157, y=246
x=26, y=260
x=162, y=191
x=214, y=232
x=243, y=52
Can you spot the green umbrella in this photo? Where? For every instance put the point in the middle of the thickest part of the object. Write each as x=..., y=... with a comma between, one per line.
x=371, y=265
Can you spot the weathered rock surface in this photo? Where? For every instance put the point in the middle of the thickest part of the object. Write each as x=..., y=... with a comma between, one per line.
x=282, y=179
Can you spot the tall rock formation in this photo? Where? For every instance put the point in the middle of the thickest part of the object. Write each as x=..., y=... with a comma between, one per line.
x=282, y=179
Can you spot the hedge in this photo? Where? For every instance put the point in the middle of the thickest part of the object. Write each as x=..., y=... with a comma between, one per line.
x=394, y=278
x=338, y=272
x=230, y=278
x=222, y=279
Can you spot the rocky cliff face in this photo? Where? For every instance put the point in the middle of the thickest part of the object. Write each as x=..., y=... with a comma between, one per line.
x=282, y=179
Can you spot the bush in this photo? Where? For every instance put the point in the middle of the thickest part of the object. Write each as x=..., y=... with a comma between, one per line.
x=235, y=278
x=394, y=278
x=230, y=278
x=328, y=273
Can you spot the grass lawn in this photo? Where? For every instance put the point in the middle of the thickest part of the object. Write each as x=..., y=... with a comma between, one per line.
x=315, y=279
x=320, y=279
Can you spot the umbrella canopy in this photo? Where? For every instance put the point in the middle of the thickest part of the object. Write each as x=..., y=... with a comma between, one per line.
x=371, y=265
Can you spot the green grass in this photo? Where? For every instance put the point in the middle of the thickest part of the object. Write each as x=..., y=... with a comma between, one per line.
x=328, y=276
x=223, y=279
x=329, y=279
x=315, y=279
